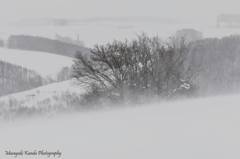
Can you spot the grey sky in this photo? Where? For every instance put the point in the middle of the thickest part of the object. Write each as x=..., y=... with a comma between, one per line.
x=177, y=9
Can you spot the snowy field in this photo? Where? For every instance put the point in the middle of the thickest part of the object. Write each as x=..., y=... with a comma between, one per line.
x=195, y=129
x=46, y=64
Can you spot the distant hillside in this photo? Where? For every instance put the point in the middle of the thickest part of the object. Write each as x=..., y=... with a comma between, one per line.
x=228, y=20
x=42, y=22
x=32, y=43
x=132, y=19
x=65, y=22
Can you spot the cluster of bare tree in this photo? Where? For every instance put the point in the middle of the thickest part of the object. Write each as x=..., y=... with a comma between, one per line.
x=137, y=70
x=220, y=60
x=15, y=78
x=64, y=74
x=2, y=44
x=145, y=68
x=24, y=42
x=190, y=35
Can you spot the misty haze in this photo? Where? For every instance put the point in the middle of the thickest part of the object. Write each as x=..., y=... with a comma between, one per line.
x=119, y=79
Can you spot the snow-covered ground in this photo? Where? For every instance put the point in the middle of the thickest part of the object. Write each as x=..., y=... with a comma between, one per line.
x=46, y=64
x=195, y=129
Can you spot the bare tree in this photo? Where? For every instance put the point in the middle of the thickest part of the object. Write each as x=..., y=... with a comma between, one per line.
x=190, y=35
x=145, y=66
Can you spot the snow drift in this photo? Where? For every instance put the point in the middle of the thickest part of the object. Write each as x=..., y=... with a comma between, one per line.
x=200, y=128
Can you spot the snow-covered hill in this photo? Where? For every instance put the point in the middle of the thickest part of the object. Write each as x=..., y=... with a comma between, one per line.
x=195, y=129
x=51, y=94
x=46, y=64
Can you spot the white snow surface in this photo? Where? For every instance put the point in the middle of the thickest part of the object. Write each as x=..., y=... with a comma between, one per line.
x=195, y=129
x=46, y=64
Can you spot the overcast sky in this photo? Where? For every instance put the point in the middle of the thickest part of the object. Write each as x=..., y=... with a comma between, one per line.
x=176, y=9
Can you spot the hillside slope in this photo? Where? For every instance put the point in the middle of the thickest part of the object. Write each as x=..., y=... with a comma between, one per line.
x=202, y=128
x=48, y=95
